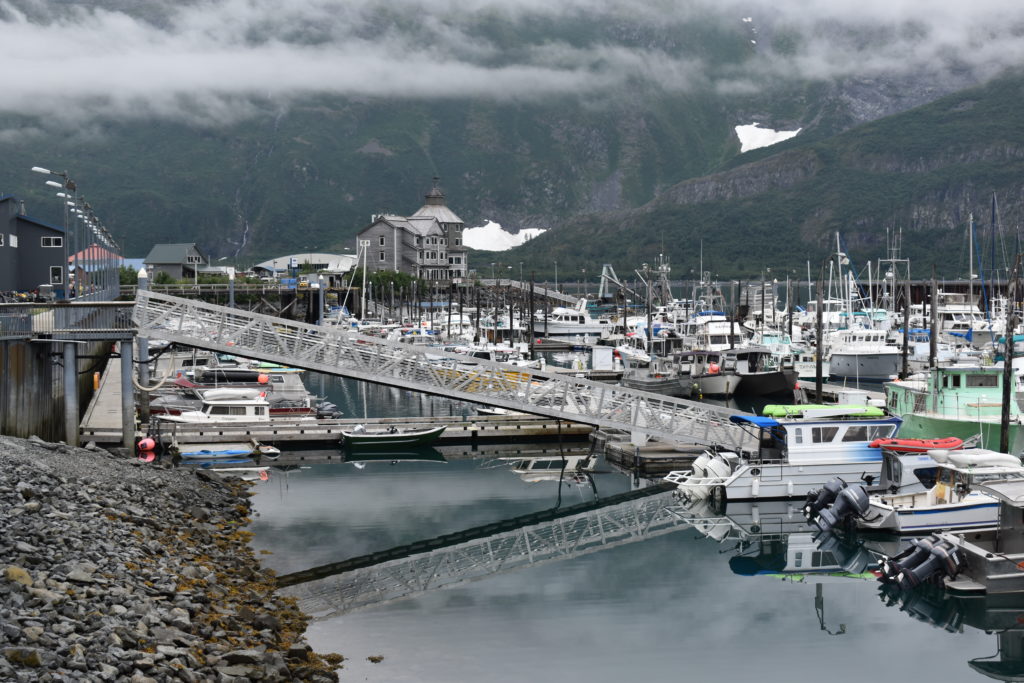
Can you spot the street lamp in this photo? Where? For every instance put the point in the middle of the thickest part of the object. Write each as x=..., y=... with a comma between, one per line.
x=67, y=184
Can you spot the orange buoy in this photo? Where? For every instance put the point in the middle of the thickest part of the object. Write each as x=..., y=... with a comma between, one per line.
x=263, y=475
x=263, y=379
x=147, y=444
x=96, y=381
x=713, y=369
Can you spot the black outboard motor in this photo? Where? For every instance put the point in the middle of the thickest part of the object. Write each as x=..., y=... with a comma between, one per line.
x=851, y=501
x=930, y=559
x=822, y=498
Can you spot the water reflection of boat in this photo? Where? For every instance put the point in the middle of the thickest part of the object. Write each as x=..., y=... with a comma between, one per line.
x=772, y=538
x=1002, y=615
x=553, y=467
x=420, y=454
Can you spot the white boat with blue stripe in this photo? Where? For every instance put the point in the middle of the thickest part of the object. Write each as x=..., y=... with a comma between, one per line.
x=799, y=451
x=953, y=502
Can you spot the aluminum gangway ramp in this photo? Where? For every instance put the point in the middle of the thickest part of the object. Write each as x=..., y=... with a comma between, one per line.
x=473, y=554
x=348, y=354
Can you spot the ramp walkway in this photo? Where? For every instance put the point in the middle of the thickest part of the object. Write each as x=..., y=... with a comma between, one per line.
x=419, y=368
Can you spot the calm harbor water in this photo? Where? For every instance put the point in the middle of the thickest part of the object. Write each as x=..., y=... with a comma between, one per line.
x=600, y=595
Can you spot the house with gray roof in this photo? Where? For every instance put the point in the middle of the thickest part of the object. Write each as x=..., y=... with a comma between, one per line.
x=427, y=244
x=180, y=261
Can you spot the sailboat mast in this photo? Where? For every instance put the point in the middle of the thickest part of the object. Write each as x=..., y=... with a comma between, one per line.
x=970, y=259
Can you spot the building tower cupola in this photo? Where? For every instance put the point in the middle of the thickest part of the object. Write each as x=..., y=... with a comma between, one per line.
x=435, y=197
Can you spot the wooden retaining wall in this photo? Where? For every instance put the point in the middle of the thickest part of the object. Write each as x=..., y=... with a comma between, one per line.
x=32, y=386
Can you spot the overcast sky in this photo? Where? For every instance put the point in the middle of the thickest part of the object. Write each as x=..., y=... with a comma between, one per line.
x=209, y=61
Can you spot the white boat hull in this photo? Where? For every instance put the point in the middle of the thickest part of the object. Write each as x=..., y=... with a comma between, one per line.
x=976, y=511
x=751, y=482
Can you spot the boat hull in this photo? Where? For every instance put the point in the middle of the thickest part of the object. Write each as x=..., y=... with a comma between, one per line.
x=867, y=366
x=768, y=383
x=925, y=427
x=975, y=512
x=391, y=440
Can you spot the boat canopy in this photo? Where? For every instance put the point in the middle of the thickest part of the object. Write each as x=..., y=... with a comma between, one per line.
x=756, y=420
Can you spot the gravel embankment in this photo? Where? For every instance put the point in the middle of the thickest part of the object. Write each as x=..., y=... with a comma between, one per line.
x=112, y=569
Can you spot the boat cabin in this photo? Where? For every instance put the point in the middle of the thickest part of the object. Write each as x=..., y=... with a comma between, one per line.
x=812, y=437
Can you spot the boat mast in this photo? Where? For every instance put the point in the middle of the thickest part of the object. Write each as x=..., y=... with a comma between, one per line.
x=970, y=259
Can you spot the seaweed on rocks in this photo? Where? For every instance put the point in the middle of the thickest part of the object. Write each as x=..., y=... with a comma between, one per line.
x=113, y=569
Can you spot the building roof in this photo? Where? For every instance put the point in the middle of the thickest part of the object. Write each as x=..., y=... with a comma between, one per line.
x=94, y=252
x=171, y=253
x=435, y=206
x=334, y=263
x=41, y=224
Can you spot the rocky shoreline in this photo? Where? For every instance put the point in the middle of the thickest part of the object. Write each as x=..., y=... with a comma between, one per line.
x=113, y=569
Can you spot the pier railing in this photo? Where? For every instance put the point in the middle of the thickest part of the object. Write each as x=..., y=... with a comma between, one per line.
x=349, y=354
x=71, y=320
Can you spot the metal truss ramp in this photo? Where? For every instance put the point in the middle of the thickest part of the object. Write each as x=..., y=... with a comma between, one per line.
x=346, y=353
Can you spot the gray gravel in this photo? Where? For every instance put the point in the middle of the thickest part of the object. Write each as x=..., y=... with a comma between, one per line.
x=113, y=569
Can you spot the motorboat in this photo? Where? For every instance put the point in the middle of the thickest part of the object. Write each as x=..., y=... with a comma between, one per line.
x=570, y=322
x=390, y=437
x=224, y=410
x=206, y=451
x=797, y=454
x=954, y=502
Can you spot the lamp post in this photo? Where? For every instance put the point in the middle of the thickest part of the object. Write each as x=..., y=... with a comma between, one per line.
x=556, y=275
x=66, y=184
x=492, y=270
x=520, y=272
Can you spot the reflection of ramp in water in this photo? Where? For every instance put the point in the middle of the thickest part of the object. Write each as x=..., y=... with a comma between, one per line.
x=481, y=551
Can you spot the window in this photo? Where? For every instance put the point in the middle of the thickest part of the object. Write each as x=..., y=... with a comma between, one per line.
x=56, y=275
x=193, y=259
x=51, y=241
x=824, y=434
x=458, y=241
x=383, y=256
x=856, y=433
x=982, y=380
x=14, y=241
x=382, y=241
x=227, y=410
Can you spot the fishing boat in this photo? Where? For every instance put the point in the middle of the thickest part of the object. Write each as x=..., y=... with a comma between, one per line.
x=863, y=354
x=224, y=409
x=796, y=455
x=708, y=374
x=762, y=372
x=962, y=401
x=389, y=437
x=954, y=502
x=660, y=377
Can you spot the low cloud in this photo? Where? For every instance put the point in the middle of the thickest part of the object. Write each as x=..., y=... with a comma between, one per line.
x=217, y=61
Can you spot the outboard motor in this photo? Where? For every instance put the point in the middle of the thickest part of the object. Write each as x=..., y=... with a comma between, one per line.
x=822, y=498
x=851, y=501
x=929, y=559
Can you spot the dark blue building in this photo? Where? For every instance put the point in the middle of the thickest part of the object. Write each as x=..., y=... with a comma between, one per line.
x=31, y=251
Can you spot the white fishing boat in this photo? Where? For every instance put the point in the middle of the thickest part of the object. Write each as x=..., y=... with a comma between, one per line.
x=554, y=467
x=799, y=451
x=864, y=354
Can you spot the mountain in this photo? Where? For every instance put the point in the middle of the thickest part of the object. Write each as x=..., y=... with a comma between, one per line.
x=919, y=174
x=257, y=129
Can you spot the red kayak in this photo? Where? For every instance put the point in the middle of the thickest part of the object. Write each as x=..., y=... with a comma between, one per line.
x=950, y=443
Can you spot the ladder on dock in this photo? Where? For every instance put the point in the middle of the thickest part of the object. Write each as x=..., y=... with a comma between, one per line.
x=346, y=353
